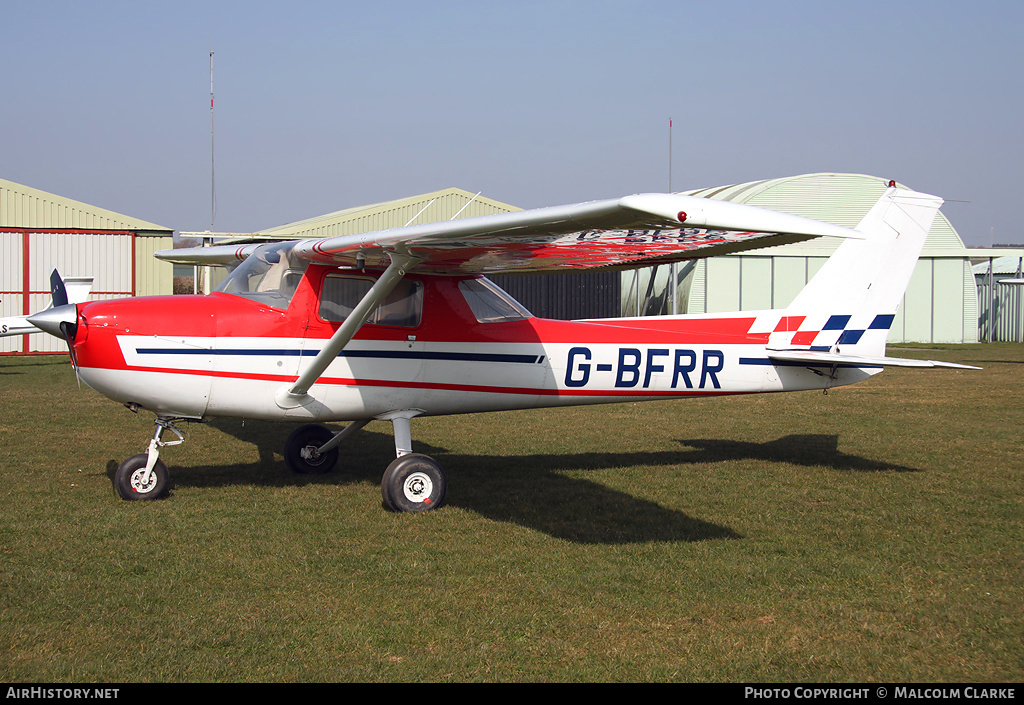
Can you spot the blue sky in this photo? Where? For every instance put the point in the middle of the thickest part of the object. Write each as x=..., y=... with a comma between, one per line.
x=323, y=106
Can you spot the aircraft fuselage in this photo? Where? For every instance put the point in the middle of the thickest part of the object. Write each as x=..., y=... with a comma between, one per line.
x=226, y=355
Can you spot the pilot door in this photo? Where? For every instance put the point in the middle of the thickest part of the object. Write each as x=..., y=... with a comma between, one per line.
x=371, y=374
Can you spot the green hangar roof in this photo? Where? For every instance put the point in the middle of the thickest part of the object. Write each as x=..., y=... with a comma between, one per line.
x=446, y=204
x=26, y=207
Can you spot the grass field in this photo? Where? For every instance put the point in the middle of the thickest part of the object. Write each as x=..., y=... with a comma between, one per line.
x=871, y=534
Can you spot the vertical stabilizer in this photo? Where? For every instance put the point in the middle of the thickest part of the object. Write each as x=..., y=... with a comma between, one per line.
x=849, y=305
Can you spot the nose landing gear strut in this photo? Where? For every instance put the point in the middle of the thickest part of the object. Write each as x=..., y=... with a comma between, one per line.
x=144, y=476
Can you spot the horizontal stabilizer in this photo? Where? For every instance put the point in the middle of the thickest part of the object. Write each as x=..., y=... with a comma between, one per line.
x=816, y=357
x=78, y=289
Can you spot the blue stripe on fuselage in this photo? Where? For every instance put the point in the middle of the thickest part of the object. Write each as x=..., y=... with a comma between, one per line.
x=373, y=354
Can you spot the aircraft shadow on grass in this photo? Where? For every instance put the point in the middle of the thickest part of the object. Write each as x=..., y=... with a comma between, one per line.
x=531, y=490
x=808, y=450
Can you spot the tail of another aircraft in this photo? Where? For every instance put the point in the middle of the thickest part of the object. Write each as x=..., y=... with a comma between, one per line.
x=844, y=314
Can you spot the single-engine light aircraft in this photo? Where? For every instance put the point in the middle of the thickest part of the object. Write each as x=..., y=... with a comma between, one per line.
x=400, y=323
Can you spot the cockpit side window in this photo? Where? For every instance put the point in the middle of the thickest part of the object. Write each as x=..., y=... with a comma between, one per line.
x=341, y=293
x=270, y=276
x=490, y=303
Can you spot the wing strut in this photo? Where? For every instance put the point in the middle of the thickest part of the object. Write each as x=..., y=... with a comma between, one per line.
x=296, y=395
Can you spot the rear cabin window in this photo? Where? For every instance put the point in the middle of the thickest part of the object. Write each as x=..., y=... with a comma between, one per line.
x=340, y=294
x=490, y=303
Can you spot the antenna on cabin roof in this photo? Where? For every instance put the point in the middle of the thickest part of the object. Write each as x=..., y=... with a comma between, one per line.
x=670, y=155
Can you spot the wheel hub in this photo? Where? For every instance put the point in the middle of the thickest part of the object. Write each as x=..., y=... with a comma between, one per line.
x=418, y=487
x=140, y=483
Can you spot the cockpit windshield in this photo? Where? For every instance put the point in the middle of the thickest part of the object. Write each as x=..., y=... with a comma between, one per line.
x=270, y=275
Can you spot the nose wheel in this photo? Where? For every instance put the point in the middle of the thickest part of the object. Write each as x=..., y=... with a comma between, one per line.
x=144, y=476
x=133, y=482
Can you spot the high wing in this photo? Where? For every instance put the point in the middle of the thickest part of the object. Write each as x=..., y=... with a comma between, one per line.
x=634, y=231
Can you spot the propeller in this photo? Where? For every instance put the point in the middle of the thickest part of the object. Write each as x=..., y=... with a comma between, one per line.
x=61, y=320
x=57, y=290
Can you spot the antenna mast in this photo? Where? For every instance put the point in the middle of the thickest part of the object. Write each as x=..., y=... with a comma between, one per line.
x=674, y=266
x=670, y=155
x=213, y=198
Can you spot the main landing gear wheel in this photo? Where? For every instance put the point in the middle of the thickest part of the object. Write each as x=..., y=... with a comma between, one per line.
x=413, y=483
x=301, y=454
x=131, y=481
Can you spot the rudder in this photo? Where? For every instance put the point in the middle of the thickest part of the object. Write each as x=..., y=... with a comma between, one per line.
x=850, y=304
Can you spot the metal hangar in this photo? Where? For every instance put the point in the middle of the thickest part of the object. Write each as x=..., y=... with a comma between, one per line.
x=40, y=232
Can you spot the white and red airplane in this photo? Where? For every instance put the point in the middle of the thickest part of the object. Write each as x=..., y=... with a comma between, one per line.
x=401, y=323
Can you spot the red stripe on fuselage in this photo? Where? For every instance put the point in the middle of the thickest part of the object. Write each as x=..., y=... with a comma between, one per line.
x=404, y=384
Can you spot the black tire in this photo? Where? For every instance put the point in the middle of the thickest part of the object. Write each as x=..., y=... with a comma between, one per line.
x=128, y=479
x=300, y=450
x=414, y=483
